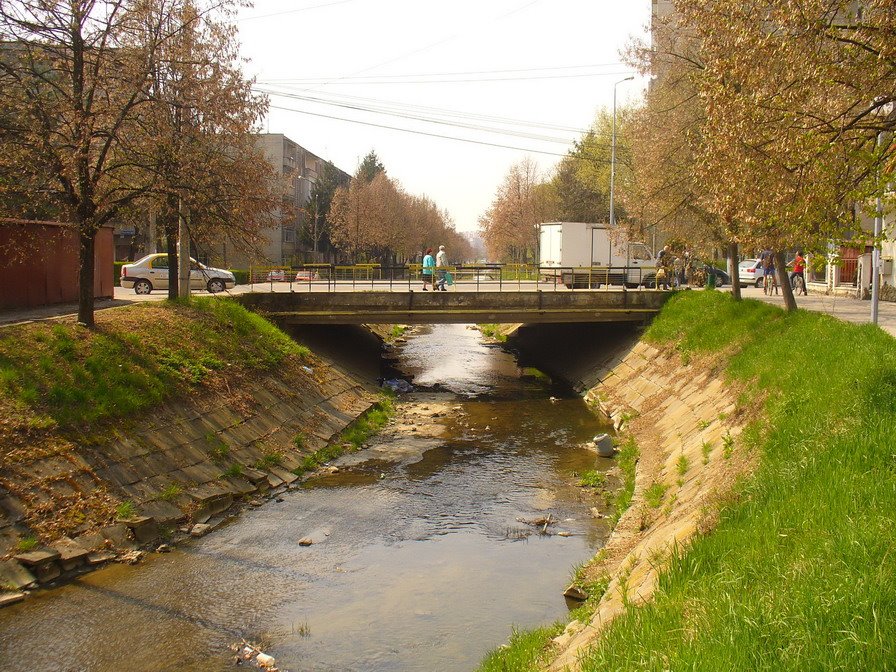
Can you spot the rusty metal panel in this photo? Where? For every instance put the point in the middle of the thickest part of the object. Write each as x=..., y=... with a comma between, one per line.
x=39, y=264
x=104, y=269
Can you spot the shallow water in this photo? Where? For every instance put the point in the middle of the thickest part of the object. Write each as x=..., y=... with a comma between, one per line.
x=419, y=562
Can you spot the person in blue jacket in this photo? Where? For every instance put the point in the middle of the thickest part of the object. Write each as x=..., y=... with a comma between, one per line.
x=429, y=265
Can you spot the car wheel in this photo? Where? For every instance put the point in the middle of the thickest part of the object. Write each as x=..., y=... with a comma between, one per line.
x=758, y=283
x=142, y=287
x=216, y=285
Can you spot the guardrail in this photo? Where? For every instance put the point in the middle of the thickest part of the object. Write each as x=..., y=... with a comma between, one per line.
x=466, y=277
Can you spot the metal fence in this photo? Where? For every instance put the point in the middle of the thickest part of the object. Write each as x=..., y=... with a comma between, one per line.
x=467, y=277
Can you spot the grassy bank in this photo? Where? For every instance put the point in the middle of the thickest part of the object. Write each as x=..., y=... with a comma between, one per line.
x=60, y=374
x=799, y=574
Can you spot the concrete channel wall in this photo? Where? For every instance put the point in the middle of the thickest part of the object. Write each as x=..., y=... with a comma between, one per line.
x=181, y=468
x=687, y=427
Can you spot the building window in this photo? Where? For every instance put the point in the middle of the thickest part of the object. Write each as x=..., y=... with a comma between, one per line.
x=289, y=235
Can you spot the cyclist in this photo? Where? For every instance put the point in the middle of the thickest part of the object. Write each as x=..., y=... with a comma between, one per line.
x=798, y=275
x=769, y=279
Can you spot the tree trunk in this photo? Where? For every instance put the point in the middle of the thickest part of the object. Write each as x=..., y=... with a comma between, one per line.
x=86, y=271
x=171, y=243
x=735, y=278
x=784, y=281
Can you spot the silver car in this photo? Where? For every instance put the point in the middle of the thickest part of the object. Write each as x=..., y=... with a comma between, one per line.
x=151, y=272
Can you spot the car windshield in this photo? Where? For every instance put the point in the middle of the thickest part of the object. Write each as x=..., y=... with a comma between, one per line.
x=749, y=263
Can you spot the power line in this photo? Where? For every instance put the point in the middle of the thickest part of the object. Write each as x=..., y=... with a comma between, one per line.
x=401, y=106
x=293, y=11
x=403, y=111
x=451, y=74
x=436, y=135
x=489, y=80
x=476, y=127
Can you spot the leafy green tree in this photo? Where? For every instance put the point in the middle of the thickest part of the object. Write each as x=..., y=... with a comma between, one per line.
x=370, y=167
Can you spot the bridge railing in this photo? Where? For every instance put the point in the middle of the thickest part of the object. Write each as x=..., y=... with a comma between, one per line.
x=465, y=277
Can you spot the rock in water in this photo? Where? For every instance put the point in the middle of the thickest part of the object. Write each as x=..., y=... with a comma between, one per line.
x=573, y=592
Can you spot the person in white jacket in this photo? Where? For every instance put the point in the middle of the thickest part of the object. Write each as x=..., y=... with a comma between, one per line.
x=441, y=267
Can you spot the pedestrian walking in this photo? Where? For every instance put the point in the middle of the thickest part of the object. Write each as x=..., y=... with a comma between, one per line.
x=429, y=265
x=441, y=268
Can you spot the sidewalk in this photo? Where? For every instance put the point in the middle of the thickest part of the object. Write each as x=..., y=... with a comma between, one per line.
x=844, y=308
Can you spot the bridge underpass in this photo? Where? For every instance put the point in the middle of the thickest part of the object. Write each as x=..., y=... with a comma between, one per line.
x=384, y=307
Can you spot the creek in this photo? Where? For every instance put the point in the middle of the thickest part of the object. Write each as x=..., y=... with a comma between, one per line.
x=423, y=558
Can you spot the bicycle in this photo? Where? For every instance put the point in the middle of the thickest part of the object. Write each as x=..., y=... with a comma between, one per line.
x=769, y=282
x=798, y=284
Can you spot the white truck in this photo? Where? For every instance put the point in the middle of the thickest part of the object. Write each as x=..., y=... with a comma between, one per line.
x=584, y=254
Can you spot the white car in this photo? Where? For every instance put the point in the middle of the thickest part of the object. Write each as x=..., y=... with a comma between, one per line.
x=750, y=272
x=151, y=272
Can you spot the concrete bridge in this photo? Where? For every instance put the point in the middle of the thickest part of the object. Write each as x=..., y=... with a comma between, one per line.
x=457, y=307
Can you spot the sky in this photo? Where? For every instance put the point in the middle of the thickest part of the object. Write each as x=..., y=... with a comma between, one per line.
x=529, y=75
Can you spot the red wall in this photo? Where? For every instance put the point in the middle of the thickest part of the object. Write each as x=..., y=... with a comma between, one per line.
x=39, y=264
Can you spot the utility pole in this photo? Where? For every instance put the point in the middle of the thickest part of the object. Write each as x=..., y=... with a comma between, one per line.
x=875, y=254
x=613, y=155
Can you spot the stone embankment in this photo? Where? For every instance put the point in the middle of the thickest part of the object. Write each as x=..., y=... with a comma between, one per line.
x=177, y=471
x=686, y=423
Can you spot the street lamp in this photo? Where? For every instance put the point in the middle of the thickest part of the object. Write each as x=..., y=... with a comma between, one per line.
x=613, y=154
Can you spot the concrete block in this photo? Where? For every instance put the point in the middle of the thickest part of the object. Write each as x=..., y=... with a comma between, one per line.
x=91, y=541
x=71, y=554
x=47, y=572
x=163, y=512
x=284, y=475
x=7, y=599
x=144, y=528
x=14, y=575
x=38, y=557
x=119, y=535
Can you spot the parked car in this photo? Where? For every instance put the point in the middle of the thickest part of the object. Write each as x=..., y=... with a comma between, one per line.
x=276, y=275
x=151, y=272
x=307, y=276
x=750, y=272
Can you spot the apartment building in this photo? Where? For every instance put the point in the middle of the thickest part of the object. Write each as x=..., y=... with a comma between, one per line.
x=298, y=169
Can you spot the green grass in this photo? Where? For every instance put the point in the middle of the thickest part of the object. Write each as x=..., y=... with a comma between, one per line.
x=233, y=470
x=269, y=460
x=682, y=465
x=126, y=510
x=26, y=544
x=352, y=438
x=706, y=450
x=653, y=496
x=593, y=479
x=398, y=330
x=526, y=651
x=135, y=358
x=170, y=492
x=626, y=460
x=800, y=573
x=493, y=331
